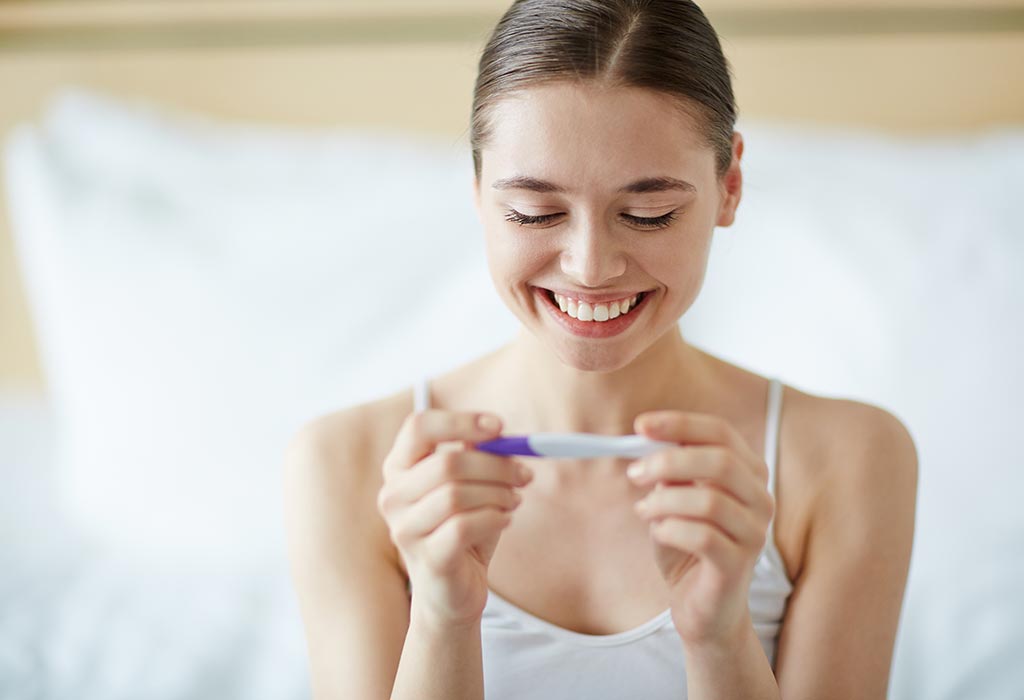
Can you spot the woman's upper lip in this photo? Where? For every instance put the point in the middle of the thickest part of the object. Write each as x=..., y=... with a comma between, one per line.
x=592, y=298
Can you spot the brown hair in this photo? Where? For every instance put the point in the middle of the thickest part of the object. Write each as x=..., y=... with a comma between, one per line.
x=665, y=45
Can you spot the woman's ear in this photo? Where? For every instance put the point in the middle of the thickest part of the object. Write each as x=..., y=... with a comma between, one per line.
x=732, y=184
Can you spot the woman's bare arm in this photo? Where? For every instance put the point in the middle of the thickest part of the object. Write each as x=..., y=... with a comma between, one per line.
x=440, y=662
x=363, y=638
x=840, y=627
x=351, y=594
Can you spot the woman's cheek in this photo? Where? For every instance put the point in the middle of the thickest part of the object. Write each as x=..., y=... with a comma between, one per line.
x=519, y=251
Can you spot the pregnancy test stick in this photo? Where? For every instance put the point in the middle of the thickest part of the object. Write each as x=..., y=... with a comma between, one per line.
x=573, y=445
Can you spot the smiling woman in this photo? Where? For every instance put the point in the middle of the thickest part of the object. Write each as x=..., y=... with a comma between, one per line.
x=605, y=156
x=624, y=184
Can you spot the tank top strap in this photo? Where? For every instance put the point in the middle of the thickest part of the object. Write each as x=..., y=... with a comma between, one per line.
x=771, y=446
x=421, y=394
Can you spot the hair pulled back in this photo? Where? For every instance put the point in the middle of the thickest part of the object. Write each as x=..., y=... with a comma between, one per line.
x=664, y=45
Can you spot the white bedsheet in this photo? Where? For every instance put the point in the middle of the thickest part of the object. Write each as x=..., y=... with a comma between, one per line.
x=78, y=623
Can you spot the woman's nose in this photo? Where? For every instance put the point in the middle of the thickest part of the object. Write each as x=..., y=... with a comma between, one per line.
x=592, y=255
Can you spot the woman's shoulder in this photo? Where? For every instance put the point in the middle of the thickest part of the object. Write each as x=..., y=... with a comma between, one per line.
x=833, y=449
x=847, y=454
x=333, y=473
x=831, y=432
x=872, y=452
x=356, y=438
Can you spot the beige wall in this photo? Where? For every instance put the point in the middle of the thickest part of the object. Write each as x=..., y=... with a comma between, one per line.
x=894, y=65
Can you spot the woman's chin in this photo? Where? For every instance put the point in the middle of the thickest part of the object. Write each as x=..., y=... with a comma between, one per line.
x=593, y=359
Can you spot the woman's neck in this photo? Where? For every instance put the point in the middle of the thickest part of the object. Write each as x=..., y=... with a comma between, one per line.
x=551, y=396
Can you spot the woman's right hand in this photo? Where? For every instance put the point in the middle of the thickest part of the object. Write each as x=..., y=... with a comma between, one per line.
x=446, y=509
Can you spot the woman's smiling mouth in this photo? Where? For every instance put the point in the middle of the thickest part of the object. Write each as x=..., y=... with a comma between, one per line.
x=592, y=319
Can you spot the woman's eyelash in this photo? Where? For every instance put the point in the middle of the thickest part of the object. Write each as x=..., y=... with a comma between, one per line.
x=517, y=218
x=647, y=222
x=652, y=221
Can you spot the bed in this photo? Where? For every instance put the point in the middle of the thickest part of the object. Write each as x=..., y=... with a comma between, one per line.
x=163, y=236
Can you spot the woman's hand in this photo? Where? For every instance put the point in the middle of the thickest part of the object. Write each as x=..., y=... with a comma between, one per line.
x=445, y=510
x=709, y=510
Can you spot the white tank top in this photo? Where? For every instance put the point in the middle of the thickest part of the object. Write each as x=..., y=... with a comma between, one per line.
x=525, y=656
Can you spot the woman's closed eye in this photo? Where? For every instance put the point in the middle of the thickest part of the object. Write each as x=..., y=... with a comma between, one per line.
x=654, y=222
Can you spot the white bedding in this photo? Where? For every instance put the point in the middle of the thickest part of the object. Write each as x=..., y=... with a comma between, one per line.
x=194, y=288
x=80, y=623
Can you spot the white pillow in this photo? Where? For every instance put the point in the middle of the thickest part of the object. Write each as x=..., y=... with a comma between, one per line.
x=200, y=291
x=850, y=247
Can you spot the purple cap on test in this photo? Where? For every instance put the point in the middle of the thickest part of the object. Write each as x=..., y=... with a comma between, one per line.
x=517, y=445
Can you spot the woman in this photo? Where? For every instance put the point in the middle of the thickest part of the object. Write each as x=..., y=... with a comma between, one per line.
x=764, y=555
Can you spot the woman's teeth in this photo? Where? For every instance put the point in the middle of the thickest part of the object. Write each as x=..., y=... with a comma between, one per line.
x=583, y=311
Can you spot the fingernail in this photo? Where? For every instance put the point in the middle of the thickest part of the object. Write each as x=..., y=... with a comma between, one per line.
x=488, y=422
x=635, y=470
x=525, y=474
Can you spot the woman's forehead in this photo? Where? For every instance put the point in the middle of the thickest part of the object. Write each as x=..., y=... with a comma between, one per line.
x=576, y=126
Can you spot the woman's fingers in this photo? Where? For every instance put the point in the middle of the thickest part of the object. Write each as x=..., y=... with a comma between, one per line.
x=701, y=539
x=423, y=431
x=711, y=506
x=455, y=465
x=463, y=530
x=451, y=498
x=688, y=428
x=445, y=505
x=714, y=463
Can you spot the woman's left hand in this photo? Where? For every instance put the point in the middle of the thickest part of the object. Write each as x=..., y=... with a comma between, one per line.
x=709, y=508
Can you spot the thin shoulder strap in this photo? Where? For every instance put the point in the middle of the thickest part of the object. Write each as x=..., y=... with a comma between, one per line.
x=421, y=395
x=771, y=432
x=771, y=458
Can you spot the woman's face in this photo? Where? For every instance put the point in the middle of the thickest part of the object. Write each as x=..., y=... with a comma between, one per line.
x=599, y=194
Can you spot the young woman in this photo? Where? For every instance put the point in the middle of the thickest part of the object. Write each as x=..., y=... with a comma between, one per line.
x=763, y=555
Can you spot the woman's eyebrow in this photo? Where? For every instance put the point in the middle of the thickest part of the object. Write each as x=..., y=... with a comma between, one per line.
x=649, y=184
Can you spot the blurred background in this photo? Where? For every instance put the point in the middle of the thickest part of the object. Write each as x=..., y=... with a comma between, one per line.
x=220, y=219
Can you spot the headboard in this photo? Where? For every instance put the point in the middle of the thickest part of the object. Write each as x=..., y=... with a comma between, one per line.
x=905, y=66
